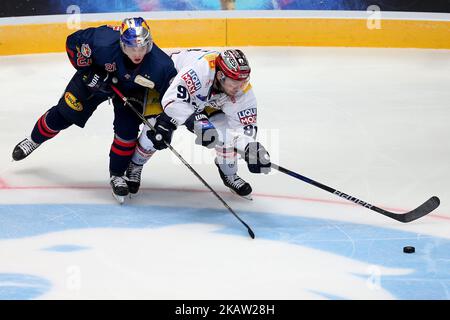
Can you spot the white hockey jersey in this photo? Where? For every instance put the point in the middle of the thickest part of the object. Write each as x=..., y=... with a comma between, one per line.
x=190, y=92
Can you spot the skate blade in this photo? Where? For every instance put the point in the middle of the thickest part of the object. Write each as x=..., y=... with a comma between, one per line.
x=132, y=195
x=120, y=199
x=247, y=197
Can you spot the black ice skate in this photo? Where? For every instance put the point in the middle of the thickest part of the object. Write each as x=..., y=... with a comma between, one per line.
x=119, y=188
x=24, y=148
x=236, y=184
x=133, y=176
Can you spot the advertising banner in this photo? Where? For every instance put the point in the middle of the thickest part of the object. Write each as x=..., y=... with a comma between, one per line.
x=14, y=8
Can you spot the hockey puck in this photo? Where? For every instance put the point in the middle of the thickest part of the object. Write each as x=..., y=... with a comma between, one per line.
x=409, y=249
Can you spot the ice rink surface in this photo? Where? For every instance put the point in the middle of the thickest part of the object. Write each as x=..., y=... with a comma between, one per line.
x=373, y=123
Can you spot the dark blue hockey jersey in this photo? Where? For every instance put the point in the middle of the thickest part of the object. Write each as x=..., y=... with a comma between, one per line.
x=100, y=47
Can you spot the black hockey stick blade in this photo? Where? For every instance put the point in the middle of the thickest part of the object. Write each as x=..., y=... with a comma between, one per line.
x=424, y=209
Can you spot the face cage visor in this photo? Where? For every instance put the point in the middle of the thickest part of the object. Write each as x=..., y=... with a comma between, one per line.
x=128, y=48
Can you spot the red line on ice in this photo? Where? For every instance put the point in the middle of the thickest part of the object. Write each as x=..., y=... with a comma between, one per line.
x=3, y=185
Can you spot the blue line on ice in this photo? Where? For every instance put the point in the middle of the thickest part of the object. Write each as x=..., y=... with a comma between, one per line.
x=369, y=244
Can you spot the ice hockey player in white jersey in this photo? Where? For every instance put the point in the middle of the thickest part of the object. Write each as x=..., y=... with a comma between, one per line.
x=213, y=97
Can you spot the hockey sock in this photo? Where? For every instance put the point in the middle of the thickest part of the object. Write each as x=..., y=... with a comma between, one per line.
x=48, y=126
x=142, y=155
x=226, y=160
x=120, y=155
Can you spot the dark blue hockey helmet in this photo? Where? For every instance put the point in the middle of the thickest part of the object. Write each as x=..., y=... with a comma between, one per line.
x=135, y=32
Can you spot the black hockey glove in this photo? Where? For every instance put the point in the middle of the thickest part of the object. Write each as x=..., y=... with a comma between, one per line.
x=205, y=131
x=98, y=80
x=258, y=159
x=164, y=128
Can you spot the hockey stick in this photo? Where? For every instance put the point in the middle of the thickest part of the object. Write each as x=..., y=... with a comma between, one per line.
x=424, y=209
x=128, y=104
x=412, y=215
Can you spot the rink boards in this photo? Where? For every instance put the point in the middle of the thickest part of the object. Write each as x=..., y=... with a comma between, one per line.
x=23, y=35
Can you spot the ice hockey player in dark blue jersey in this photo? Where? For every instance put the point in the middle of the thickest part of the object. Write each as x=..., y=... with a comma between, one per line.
x=100, y=55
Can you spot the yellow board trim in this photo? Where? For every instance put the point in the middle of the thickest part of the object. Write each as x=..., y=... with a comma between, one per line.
x=339, y=32
x=51, y=37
